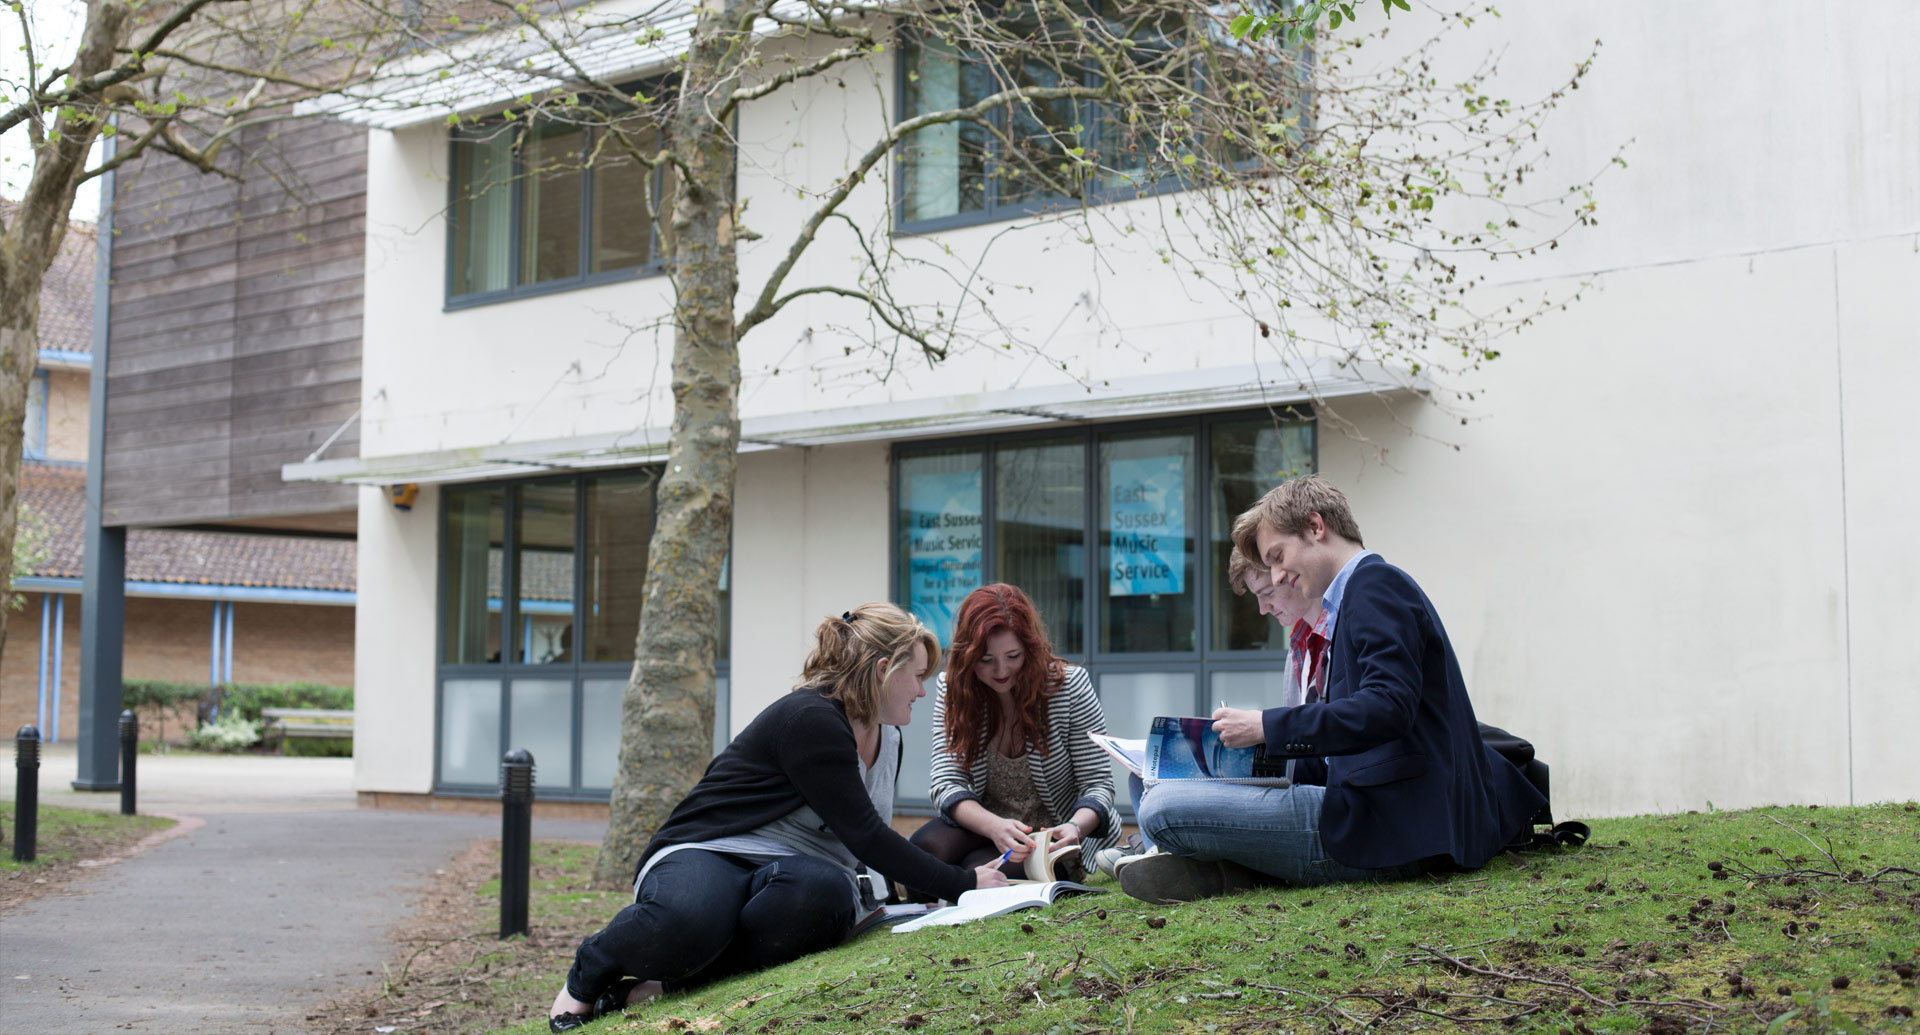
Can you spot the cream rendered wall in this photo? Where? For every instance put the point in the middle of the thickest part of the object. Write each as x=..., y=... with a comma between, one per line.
x=394, y=642
x=1643, y=547
x=810, y=539
x=1878, y=318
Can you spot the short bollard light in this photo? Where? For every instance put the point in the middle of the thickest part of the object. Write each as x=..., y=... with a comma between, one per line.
x=516, y=839
x=26, y=801
x=129, y=755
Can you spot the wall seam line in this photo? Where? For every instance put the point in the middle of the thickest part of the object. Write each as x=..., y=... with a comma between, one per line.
x=1846, y=550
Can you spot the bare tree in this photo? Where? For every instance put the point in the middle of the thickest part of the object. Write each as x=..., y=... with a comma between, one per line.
x=185, y=79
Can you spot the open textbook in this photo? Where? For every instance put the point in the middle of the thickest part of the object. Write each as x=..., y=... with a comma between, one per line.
x=1188, y=749
x=981, y=903
x=1043, y=858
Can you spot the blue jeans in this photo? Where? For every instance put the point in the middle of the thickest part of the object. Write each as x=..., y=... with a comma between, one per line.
x=701, y=916
x=1273, y=830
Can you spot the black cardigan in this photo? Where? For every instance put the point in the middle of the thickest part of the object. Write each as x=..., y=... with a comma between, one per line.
x=801, y=751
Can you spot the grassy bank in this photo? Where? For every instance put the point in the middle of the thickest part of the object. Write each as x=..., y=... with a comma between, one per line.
x=1775, y=920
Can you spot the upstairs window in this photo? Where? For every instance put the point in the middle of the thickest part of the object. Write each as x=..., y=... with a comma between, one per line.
x=546, y=207
x=1035, y=156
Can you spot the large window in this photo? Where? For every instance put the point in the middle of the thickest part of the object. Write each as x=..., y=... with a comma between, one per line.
x=545, y=207
x=957, y=173
x=1035, y=155
x=541, y=587
x=1119, y=534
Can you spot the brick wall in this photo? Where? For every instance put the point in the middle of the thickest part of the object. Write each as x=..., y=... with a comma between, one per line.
x=67, y=415
x=172, y=640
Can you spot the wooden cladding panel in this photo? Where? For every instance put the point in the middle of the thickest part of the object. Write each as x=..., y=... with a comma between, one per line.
x=235, y=329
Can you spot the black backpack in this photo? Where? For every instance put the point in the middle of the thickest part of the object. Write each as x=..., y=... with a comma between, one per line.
x=1543, y=832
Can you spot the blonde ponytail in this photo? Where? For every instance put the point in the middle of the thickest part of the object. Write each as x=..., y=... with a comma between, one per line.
x=847, y=649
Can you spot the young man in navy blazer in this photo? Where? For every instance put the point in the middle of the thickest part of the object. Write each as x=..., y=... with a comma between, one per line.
x=1409, y=785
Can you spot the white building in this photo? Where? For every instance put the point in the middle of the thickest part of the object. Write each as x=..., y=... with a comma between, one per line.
x=1673, y=547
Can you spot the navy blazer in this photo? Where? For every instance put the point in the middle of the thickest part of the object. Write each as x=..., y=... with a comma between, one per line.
x=1408, y=777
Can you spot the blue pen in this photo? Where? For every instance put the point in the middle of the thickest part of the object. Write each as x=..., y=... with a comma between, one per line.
x=1004, y=856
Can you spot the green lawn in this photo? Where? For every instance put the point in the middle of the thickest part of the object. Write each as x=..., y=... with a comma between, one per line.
x=68, y=835
x=1637, y=931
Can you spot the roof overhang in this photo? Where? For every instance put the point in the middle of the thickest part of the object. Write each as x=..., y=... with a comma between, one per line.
x=1194, y=391
x=485, y=72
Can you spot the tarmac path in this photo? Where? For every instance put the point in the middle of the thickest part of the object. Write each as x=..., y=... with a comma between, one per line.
x=240, y=925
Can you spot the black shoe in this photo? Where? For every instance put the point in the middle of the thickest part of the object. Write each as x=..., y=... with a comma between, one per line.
x=615, y=999
x=1164, y=879
x=569, y=1021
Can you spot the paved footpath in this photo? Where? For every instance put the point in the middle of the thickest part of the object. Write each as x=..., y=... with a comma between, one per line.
x=240, y=925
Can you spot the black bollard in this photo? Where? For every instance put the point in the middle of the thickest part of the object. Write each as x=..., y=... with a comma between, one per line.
x=26, y=799
x=516, y=839
x=129, y=754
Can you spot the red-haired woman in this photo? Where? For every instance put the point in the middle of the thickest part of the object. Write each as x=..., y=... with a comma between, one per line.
x=1011, y=753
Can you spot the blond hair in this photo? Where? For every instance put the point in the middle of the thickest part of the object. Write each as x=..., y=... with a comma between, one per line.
x=1285, y=509
x=1243, y=559
x=848, y=647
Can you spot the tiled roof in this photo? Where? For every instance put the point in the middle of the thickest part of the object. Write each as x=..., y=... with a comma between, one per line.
x=56, y=498
x=66, y=295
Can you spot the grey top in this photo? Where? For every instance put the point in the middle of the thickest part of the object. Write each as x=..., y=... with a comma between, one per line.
x=801, y=832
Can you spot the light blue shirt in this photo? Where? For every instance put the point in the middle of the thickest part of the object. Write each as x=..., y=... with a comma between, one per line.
x=1330, y=600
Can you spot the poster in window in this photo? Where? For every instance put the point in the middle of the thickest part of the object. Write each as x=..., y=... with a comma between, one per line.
x=1146, y=525
x=943, y=546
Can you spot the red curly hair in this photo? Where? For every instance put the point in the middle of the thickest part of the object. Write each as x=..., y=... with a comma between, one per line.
x=972, y=708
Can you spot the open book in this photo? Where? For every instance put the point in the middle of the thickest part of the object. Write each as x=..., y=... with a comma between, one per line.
x=985, y=902
x=1041, y=861
x=1189, y=749
x=1131, y=754
x=886, y=916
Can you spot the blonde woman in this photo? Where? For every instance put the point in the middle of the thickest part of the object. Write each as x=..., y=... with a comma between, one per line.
x=756, y=867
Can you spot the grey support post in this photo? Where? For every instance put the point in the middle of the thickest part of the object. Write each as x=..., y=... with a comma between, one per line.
x=103, y=587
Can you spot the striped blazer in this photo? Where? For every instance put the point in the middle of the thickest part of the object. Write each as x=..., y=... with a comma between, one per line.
x=1073, y=773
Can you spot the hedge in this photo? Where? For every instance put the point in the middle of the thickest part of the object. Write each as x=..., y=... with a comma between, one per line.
x=156, y=698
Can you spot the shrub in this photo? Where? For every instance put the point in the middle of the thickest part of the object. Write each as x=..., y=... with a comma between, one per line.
x=319, y=747
x=231, y=732
x=249, y=698
x=155, y=699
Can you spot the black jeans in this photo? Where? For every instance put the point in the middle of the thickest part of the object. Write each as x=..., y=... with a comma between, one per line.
x=702, y=916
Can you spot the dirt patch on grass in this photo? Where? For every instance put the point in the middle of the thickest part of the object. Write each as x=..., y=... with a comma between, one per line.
x=450, y=973
x=72, y=844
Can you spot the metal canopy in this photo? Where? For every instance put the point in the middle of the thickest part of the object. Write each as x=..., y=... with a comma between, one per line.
x=1157, y=395
x=489, y=71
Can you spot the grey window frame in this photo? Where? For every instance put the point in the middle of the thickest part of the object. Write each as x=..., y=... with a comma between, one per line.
x=516, y=184
x=506, y=670
x=1175, y=180
x=996, y=212
x=1202, y=661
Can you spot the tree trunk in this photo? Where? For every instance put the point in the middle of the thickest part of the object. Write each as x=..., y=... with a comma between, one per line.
x=27, y=247
x=666, y=715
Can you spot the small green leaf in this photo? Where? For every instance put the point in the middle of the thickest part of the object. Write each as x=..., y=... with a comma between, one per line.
x=1781, y=1021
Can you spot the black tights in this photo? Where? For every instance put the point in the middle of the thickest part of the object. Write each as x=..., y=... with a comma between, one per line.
x=702, y=916
x=951, y=843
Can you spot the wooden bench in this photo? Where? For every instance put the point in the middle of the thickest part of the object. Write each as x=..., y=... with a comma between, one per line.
x=304, y=722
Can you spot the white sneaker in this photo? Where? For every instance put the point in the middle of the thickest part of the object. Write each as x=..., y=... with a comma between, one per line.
x=1110, y=860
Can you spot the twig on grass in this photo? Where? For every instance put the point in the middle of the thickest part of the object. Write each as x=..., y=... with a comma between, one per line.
x=1462, y=965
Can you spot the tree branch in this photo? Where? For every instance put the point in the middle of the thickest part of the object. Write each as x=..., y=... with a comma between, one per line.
x=812, y=68
x=764, y=306
x=119, y=73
